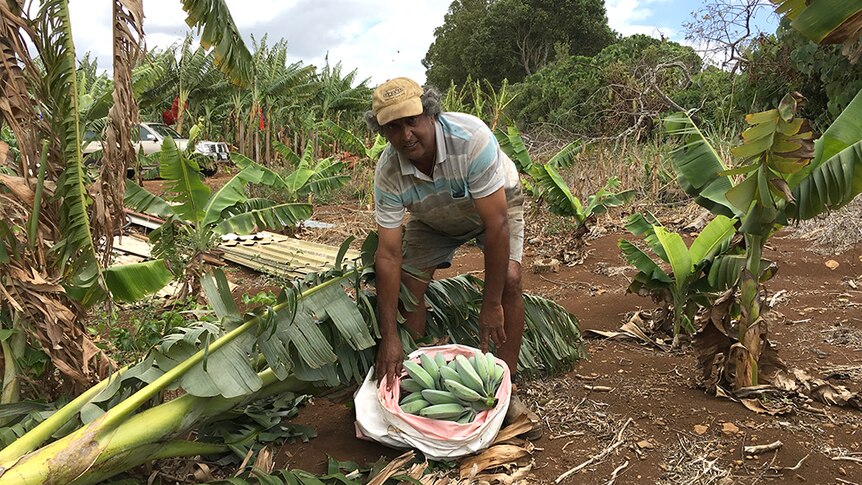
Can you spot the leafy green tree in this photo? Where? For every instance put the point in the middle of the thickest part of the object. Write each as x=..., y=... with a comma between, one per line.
x=786, y=62
x=624, y=85
x=511, y=39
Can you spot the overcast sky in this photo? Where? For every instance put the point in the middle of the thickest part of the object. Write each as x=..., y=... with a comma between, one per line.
x=381, y=38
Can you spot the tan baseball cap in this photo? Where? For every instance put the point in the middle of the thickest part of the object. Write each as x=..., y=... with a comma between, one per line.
x=396, y=98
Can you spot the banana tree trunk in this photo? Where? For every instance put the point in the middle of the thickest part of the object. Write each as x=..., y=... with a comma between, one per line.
x=181, y=109
x=13, y=349
x=745, y=358
x=98, y=451
x=268, y=142
x=119, y=440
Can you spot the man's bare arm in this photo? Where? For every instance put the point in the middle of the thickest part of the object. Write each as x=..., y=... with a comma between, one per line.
x=494, y=213
x=387, y=266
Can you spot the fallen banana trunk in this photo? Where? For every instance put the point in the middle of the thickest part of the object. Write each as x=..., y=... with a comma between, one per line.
x=120, y=440
x=98, y=451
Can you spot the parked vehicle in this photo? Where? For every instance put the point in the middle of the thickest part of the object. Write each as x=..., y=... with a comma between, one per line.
x=151, y=136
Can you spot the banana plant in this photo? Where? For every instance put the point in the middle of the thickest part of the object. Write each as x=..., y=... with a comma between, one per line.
x=784, y=180
x=548, y=185
x=351, y=143
x=688, y=264
x=196, y=217
x=825, y=21
x=63, y=228
x=310, y=176
x=316, y=336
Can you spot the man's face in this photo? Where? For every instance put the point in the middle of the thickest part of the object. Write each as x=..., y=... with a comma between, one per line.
x=413, y=137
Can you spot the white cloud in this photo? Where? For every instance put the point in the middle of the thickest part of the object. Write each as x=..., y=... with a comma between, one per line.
x=627, y=17
x=380, y=38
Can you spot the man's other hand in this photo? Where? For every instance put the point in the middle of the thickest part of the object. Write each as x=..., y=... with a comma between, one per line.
x=491, y=325
x=390, y=357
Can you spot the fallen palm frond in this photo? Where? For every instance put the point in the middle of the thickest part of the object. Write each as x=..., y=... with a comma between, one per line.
x=552, y=341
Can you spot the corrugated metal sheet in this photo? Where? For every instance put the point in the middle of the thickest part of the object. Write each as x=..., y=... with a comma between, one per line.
x=281, y=255
x=266, y=252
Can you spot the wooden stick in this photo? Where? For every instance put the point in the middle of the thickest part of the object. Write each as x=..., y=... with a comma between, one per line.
x=792, y=468
x=758, y=449
x=607, y=451
x=598, y=388
x=847, y=458
x=616, y=472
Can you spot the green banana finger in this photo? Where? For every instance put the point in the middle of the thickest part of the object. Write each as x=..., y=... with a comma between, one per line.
x=410, y=385
x=468, y=374
x=450, y=374
x=413, y=396
x=439, y=359
x=419, y=374
x=443, y=411
x=481, y=366
x=435, y=396
x=431, y=368
x=462, y=392
x=491, y=366
x=415, y=407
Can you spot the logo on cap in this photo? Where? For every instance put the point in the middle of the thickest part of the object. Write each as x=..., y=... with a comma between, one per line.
x=393, y=92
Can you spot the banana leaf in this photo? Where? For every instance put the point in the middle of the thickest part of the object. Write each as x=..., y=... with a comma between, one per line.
x=823, y=21
x=513, y=146
x=320, y=186
x=643, y=262
x=699, y=167
x=845, y=131
x=184, y=185
x=566, y=156
x=554, y=190
x=644, y=226
x=229, y=195
x=830, y=186
x=141, y=200
x=285, y=151
x=218, y=31
x=273, y=218
x=677, y=253
x=834, y=176
x=132, y=282
x=712, y=238
x=552, y=341
x=255, y=173
x=345, y=137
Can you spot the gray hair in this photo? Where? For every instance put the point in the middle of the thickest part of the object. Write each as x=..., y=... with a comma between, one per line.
x=431, y=106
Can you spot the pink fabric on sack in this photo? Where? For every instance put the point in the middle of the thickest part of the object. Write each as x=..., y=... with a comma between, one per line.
x=440, y=429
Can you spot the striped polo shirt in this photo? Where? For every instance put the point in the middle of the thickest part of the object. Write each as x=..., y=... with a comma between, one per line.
x=470, y=165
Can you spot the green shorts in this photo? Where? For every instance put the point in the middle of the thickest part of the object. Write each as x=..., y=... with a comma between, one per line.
x=426, y=247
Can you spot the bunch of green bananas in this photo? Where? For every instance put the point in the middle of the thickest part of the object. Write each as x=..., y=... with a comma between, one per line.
x=455, y=390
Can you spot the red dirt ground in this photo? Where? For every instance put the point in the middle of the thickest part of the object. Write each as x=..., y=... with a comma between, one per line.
x=815, y=326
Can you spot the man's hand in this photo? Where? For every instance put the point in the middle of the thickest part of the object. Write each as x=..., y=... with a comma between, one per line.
x=491, y=325
x=390, y=357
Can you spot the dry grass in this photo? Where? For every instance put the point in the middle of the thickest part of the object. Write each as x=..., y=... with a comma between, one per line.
x=835, y=232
